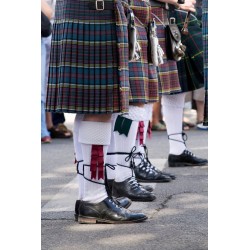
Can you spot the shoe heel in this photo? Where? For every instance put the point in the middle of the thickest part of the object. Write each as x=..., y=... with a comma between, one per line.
x=86, y=220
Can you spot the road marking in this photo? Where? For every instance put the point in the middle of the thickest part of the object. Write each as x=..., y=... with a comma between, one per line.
x=199, y=148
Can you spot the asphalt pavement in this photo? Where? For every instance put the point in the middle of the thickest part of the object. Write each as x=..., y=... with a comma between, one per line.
x=178, y=218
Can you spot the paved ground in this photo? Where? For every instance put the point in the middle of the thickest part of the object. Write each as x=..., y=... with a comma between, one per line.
x=178, y=218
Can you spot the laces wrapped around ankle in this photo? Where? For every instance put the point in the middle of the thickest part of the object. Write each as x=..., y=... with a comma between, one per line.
x=108, y=190
x=144, y=164
x=131, y=154
x=184, y=137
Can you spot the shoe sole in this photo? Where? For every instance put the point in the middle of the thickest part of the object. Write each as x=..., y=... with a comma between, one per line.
x=46, y=142
x=186, y=164
x=93, y=220
x=142, y=199
x=152, y=181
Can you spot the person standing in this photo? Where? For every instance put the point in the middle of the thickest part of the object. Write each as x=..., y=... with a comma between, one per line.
x=173, y=98
x=47, y=14
x=143, y=91
x=173, y=105
x=88, y=75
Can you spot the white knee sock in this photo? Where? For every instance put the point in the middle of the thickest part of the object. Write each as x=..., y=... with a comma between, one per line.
x=112, y=158
x=93, y=136
x=77, y=145
x=126, y=143
x=78, y=154
x=172, y=107
x=147, y=117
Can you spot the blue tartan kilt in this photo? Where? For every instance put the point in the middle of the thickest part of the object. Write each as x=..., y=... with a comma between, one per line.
x=88, y=71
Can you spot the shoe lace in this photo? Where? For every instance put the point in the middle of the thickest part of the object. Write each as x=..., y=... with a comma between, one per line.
x=108, y=190
x=145, y=164
x=184, y=137
x=187, y=152
x=113, y=202
x=146, y=159
x=133, y=182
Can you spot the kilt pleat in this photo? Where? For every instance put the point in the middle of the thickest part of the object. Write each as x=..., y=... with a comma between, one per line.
x=167, y=72
x=143, y=77
x=85, y=69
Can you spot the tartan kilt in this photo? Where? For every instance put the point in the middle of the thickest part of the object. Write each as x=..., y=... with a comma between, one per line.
x=190, y=68
x=88, y=71
x=167, y=72
x=143, y=77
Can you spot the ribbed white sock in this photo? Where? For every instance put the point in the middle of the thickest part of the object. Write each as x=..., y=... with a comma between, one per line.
x=93, y=133
x=112, y=159
x=77, y=145
x=78, y=154
x=126, y=143
x=172, y=107
x=147, y=117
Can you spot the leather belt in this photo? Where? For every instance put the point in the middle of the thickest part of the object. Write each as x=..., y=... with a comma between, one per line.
x=98, y=5
x=155, y=3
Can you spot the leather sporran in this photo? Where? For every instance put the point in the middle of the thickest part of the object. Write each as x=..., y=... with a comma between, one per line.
x=175, y=49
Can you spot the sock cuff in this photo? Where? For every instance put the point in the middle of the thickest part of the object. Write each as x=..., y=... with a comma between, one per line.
x=97, y=133
x=148, y=111
x=175, y=101
x=136, y=113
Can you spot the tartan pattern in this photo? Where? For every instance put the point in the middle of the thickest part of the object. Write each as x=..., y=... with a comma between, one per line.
x=167, y=73
x=205, y=39
x=142, y=75
x=88, y=70
x=190, y=68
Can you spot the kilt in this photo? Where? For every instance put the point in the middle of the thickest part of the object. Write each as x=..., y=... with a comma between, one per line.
x=167, y=72
x=190, y=68
x=142, y=75
x=88, y=71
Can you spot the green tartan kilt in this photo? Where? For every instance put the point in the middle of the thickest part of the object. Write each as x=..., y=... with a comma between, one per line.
x=190, y=68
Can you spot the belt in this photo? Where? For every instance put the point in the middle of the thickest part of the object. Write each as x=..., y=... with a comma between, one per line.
x=155, y=3
x=98, y=5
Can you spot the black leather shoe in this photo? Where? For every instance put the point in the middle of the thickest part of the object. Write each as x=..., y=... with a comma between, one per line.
x=130, y=188
x=146, y=187
x=186, y=159
x=120, y=201
x=106, y=211
x=172, y=176
x=145, y=173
